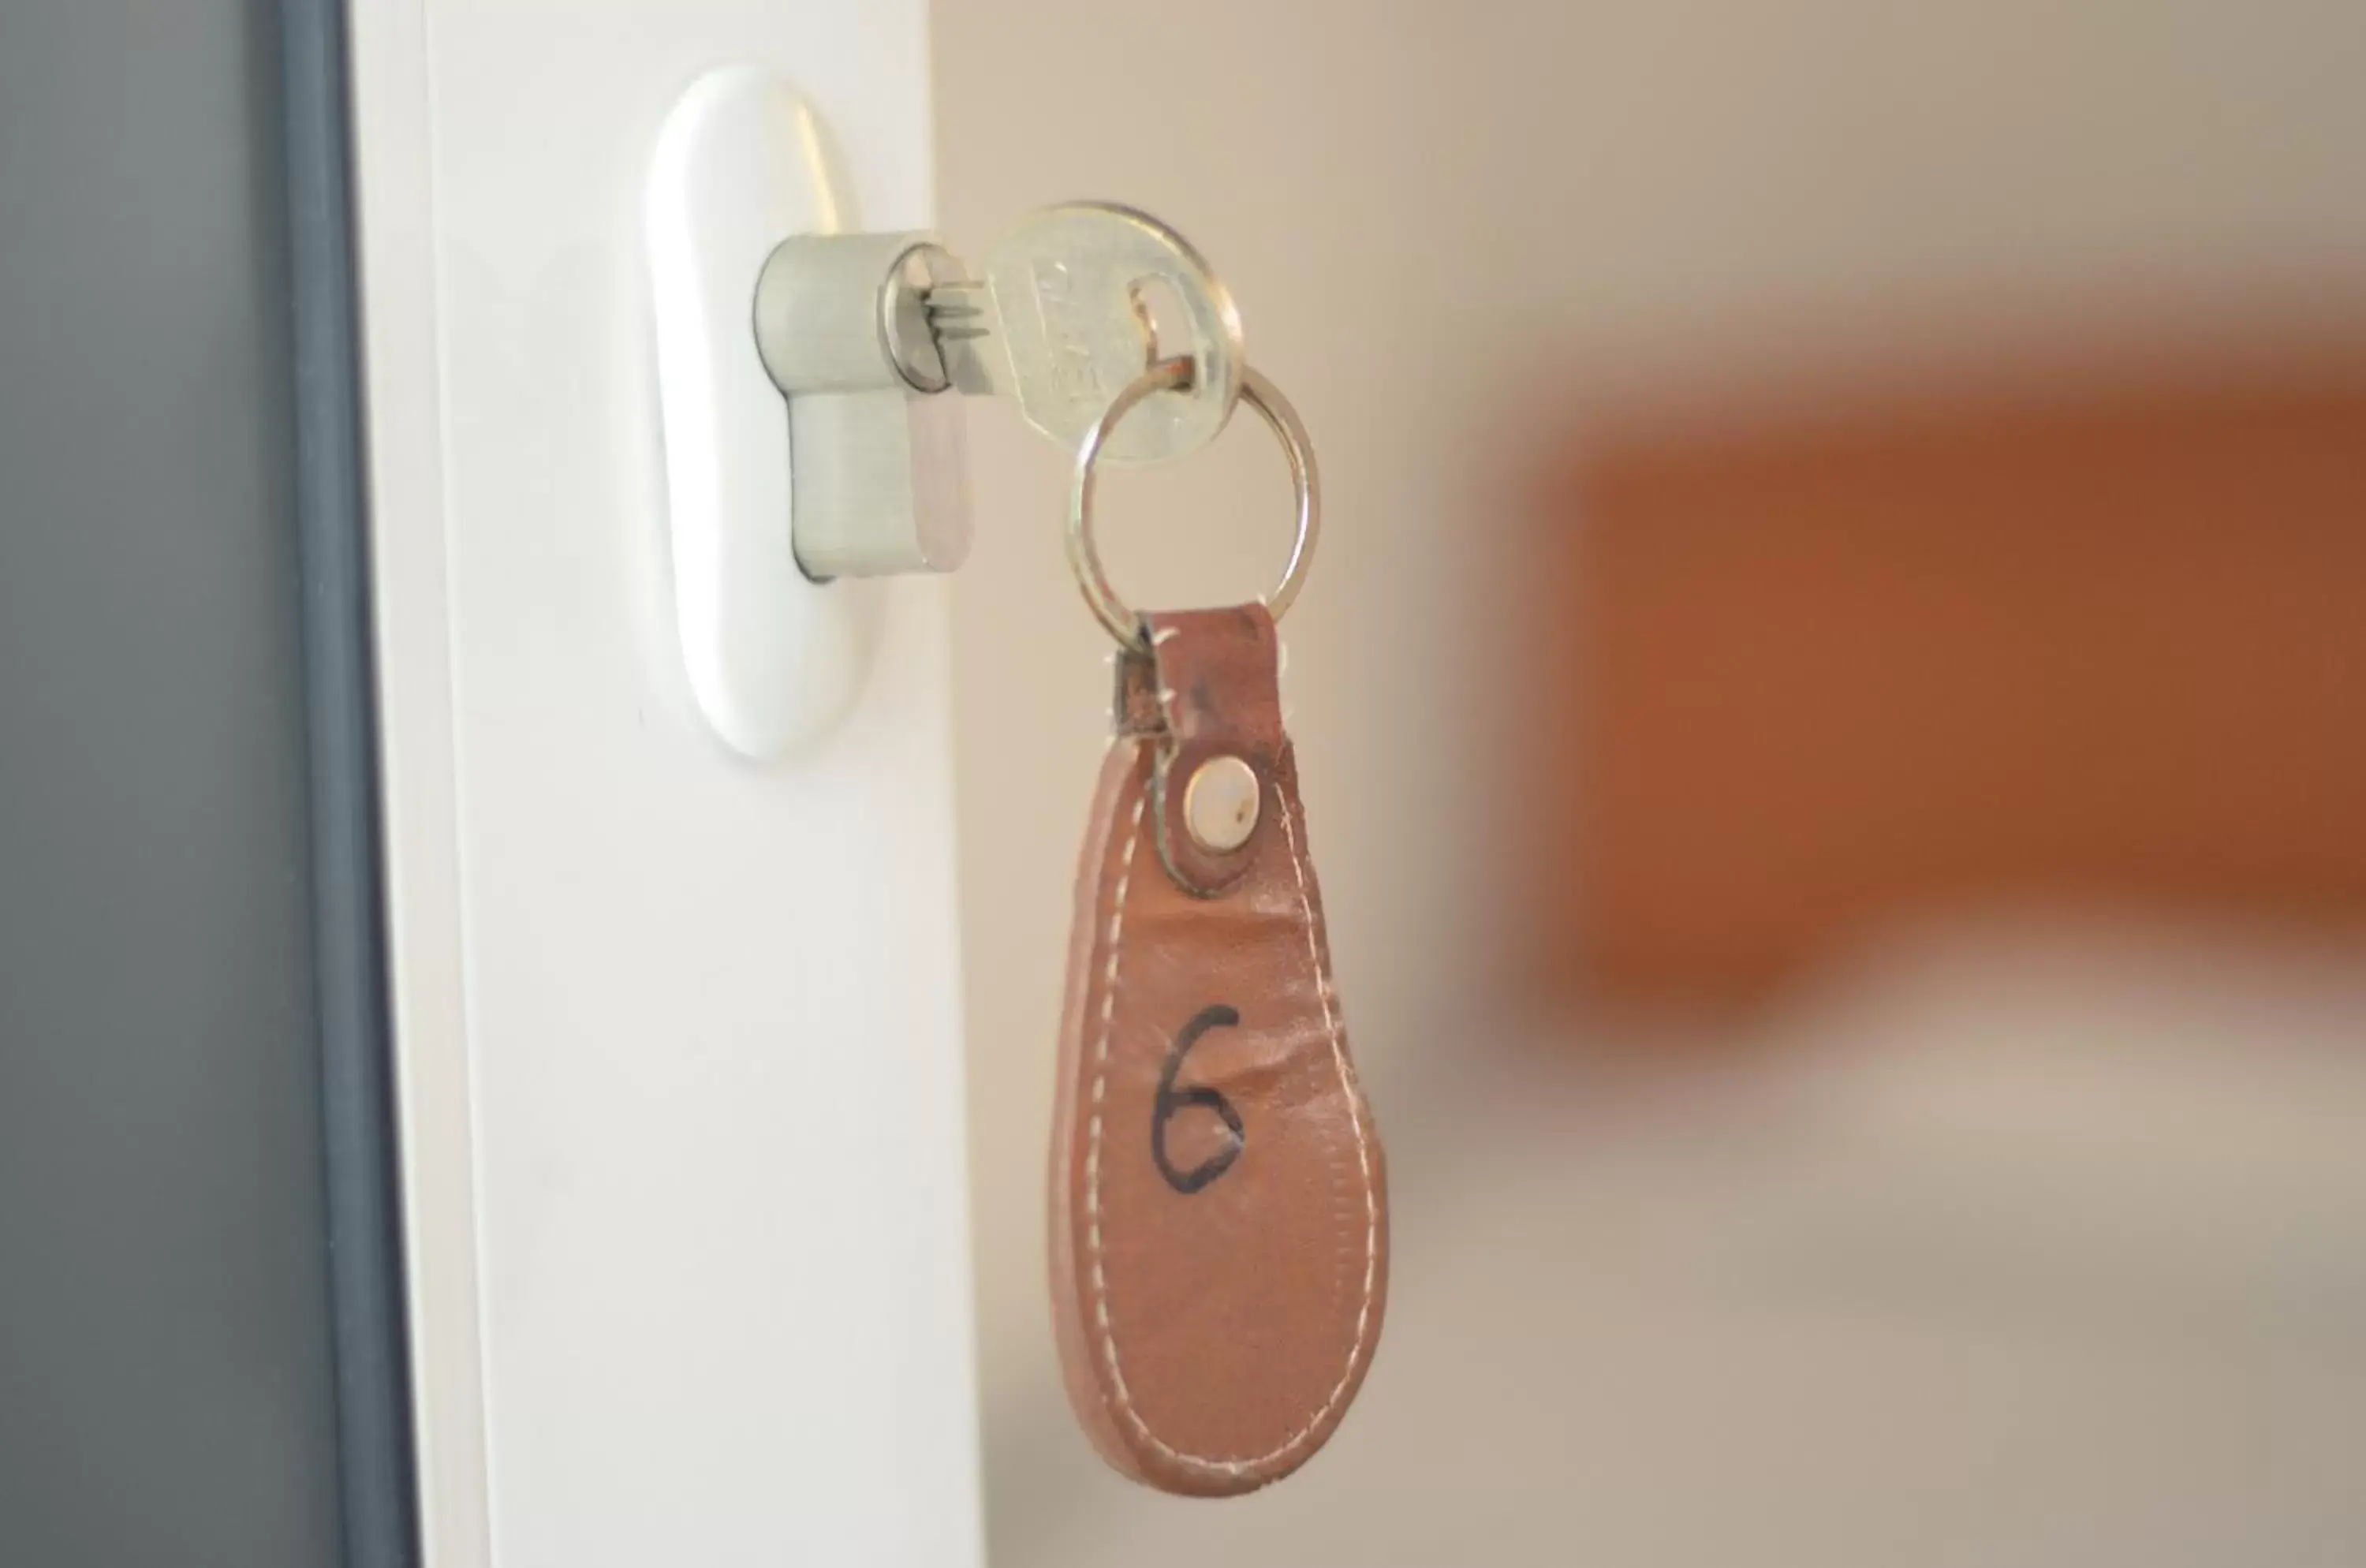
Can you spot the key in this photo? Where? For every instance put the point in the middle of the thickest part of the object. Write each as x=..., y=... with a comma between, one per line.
x=1076, y=301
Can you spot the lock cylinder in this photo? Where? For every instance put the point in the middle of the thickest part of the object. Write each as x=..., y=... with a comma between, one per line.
x=876, y=456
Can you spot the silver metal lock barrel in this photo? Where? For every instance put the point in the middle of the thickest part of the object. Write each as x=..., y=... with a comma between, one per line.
x=876, y=456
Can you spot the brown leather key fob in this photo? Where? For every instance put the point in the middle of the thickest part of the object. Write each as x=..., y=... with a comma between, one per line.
x=1219, y=1200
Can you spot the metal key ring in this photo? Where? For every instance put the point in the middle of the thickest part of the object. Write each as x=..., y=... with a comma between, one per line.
x=1174, y=375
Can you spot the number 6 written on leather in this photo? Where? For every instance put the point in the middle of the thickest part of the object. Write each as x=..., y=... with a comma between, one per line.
x=1170, y=1100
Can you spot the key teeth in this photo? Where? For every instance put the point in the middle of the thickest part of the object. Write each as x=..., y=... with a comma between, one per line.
x=960, y=318
x=957, y=313
x=955, y=301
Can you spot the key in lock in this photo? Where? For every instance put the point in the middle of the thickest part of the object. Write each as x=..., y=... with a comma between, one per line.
x=864, y=332
x=1061, y=318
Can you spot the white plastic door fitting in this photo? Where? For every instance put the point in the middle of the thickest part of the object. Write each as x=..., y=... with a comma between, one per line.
x=773, y=655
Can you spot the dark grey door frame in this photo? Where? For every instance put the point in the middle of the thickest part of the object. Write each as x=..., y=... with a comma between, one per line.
x=203, y=1348
x=361, y=1173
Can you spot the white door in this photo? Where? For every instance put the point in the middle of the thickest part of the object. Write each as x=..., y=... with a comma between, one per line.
x=678, y=1033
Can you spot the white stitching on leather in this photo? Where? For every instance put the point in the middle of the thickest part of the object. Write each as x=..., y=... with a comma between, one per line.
x=1093, y=1159
x=1100, y=1085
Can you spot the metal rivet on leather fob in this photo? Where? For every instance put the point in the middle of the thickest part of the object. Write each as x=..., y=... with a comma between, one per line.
x=1220, y=804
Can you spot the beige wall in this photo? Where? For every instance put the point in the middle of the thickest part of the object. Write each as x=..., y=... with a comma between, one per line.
x=1430, y=213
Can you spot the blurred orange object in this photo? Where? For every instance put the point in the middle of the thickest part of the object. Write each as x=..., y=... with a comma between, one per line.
x=2100, y=638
